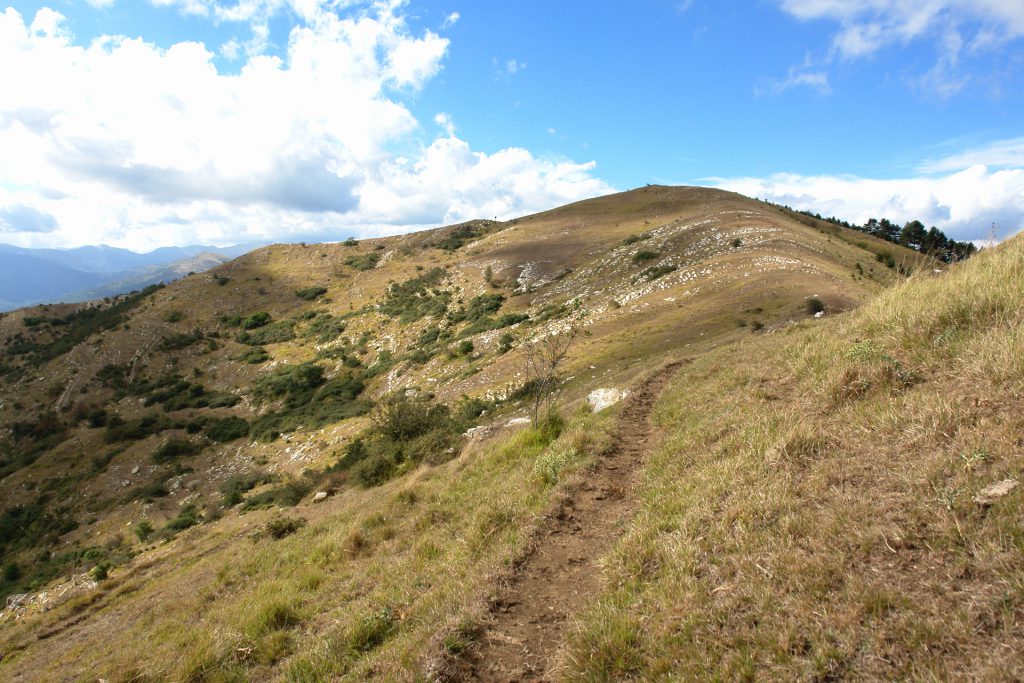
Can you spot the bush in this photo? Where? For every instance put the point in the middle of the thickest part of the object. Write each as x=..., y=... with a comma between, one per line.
x=237, y=485
x=633, y=239
x=256, y=320
x=254, y=356
x=227, y=429
x=417, y=297
x=815, y=305
x=363, y=261
x=400, y=418
x=655, y=272
x=188, y=517
x=175, y=448
x=274, y=333
x=287, y=494
x=641, y=256
x=310, y=293
x=374, y=470
x=465, y=347
x=281, y=526
x=143, y=530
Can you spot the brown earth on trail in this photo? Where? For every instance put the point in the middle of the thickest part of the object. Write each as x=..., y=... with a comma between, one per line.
x=532, y=608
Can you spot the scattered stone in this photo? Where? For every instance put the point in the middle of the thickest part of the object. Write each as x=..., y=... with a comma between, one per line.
x=994, y=492
x=819, y=314
x=516, y=421
x=135, y=470
x=599, y=399
x=319, y=496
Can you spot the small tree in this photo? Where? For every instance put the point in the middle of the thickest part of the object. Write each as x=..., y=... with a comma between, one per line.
x=543, y=359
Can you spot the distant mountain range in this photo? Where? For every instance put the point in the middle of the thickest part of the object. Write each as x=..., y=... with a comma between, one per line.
x=35, y=276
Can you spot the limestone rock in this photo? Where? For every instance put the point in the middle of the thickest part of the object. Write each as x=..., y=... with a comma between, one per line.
x=599, y=399
x=319, y=496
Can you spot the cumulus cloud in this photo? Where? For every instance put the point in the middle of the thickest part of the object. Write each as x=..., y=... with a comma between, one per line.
x=125, y=142
x=964, y=203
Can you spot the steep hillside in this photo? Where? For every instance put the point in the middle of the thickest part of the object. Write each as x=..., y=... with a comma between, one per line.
x=153, y=438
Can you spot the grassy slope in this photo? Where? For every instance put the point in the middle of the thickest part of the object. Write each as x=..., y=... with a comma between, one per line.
x=385, y=561
x=811, y=515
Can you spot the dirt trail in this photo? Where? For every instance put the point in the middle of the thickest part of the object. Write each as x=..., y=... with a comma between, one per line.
x=530, y=614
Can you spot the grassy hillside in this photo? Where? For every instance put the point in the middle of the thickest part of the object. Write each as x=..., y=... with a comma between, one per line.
x=816, y=510
x=163, y=449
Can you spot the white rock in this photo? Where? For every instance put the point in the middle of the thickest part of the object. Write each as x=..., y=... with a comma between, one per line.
x=599, y=399
x=993, y=492
x=319, y=496
x=518, y=421
x=135, y=470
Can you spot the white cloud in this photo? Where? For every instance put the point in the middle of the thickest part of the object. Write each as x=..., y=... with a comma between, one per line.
x=963, y=203
x=1000, y=153
x=867, y=25
x=796, y=78
x=123, y=142
x=450, y=20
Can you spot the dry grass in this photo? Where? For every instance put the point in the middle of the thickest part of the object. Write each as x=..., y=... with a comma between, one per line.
x=810, y=515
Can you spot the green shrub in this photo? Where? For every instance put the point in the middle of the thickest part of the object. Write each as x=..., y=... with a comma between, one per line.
x=417, y=297
x=465, y=347
x=633, y=239
x=175, y=448
x=174, y=316
x=227, y=429
x=179, y=341
x=401, y=418
x=310, y=293
x=366, y=261
x=326, y=328
x=256, y=320
x=654, y=272
x=643, y=255
x=188, y=517
x=143, y=530
x=374, y=470
x=135, y=430
x=273, y=333
x=254, y=356
x=237, y=485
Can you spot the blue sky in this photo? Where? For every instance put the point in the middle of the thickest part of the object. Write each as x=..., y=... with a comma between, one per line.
x=175, y=121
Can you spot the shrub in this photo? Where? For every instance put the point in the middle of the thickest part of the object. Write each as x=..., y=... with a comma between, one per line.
x=188, y=517
x=633, y=239
x=143, y=530
x=642, y=255
x=135, y=430
x=366, y=261
x=254, y=356
x=374, y=470
x=175, y=448
x=227, y=429
x=400, y=418
x=236, y=485
x=655, y=272
x=325, y=328
x=417, y=297
x=100, y=572
x=814, y=305
x=281, y=526
x=174, y=316
x=274, y=333
x=310, y=293
x=465, y=347
x=505, y=342
x=256, y=320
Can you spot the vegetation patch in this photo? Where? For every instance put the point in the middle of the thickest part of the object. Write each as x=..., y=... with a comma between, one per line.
x=272, y=333
x=367, y=261
x=310, y=293
x=417, y=297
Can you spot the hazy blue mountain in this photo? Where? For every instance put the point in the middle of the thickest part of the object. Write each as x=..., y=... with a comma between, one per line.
x=33, y=276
